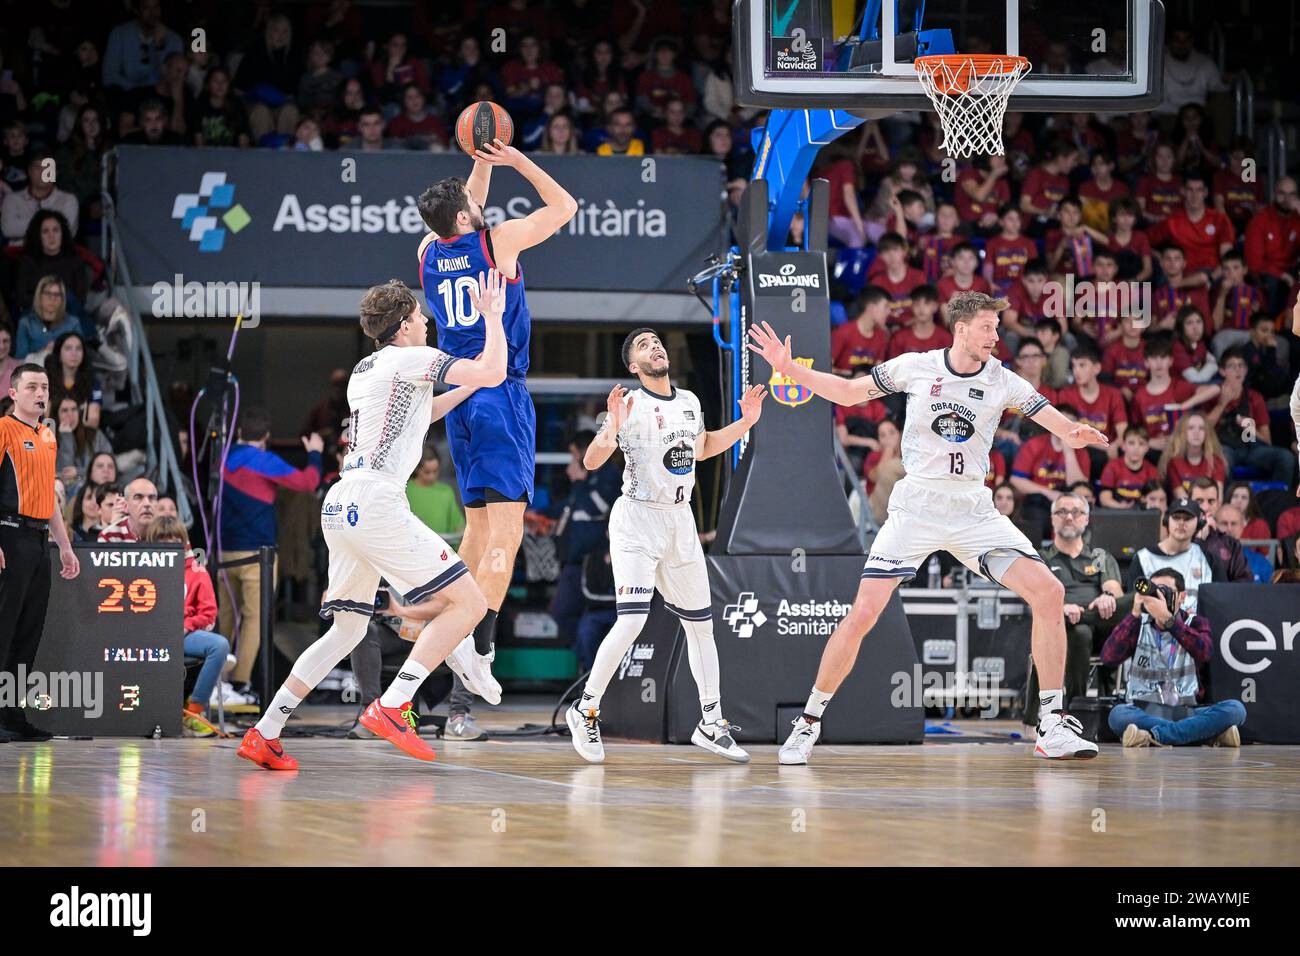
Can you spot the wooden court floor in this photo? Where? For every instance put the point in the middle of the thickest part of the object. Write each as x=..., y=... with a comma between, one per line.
x=531, y=801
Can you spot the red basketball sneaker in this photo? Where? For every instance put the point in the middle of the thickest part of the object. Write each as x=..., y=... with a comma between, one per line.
x=398, y=726
x=265, y=753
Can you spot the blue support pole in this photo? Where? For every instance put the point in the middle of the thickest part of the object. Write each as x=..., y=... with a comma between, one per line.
x=784, y=153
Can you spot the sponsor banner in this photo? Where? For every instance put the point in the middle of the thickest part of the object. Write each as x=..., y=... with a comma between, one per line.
x=770, y=622
x=116, y=632
x=305, y=219
x=1256, y=629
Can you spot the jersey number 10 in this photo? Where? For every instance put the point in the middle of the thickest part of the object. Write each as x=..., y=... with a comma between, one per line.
x=456, y=303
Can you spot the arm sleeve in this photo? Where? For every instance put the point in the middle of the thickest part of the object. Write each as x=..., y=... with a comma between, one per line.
x=896, y=374
x=201, y=612
x=1023, y=397
x=424, y=364
x=275, y=469
x=1120, y=645
x=1194, y=634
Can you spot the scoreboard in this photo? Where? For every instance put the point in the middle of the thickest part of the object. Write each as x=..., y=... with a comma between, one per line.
x=111, y=661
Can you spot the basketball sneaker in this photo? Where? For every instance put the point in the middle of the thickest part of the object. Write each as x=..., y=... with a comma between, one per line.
x=194, y=724
x=798, y=746
x=1135, y=736
x=474, y=671
x=267, y=754
x=397, y=726
x=584, y=731
x=716, y=737
x=463, y=727
x=1059, y=738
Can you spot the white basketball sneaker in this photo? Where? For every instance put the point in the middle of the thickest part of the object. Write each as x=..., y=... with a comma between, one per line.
x=798, y=746
x=716, y=738
x=584, y=732
x=475, y=671
x=1059, y=738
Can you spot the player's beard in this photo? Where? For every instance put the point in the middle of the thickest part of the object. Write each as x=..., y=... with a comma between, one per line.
x=660, y=372
x=477, y=221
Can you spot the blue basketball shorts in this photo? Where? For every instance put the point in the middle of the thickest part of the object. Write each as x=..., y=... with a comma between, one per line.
x=493, y=439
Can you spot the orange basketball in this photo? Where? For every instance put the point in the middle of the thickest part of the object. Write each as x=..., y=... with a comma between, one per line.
x=481, y=123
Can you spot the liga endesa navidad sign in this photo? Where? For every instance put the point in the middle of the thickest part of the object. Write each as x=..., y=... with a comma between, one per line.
x=344, y=220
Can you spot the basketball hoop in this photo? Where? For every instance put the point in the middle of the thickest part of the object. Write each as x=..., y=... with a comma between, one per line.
x=970, y=94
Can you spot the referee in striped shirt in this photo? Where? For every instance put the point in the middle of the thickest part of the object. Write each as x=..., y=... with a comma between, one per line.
x=28, y=449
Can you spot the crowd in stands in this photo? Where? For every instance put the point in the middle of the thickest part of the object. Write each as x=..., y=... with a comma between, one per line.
x=1150, y=286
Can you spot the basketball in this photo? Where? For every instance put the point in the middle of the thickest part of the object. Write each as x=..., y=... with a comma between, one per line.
x=481, y=123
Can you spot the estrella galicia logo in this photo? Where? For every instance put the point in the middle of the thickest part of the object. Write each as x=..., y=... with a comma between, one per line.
x=208, y=214
x=354, y=515
x=787, y=391
x=680, y=459
x=952, y=427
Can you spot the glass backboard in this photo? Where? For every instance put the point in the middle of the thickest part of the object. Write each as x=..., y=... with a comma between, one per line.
x=1086, y=55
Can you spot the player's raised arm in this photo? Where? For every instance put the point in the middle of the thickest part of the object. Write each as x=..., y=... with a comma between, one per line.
x=489, y=368
x=715, y=443
x=1074, y=434
x=478, y=181
x=515, y=235
x=618, y=405
x=834, y=388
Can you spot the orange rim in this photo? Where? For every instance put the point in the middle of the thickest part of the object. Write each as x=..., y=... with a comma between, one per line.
x=962, y=68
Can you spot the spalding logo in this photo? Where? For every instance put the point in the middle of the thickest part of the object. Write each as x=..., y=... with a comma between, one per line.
x=786, y=390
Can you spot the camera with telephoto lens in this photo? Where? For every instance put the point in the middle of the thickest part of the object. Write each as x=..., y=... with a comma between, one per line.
x=1148, y=587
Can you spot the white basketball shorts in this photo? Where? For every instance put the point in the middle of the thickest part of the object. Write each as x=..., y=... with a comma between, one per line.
x=936, y=514
x=658, y=547
x=372, y=534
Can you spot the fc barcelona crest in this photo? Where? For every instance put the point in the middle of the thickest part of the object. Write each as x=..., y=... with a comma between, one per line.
x=786, y=390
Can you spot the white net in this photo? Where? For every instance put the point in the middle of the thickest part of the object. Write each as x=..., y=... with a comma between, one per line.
x=970, y=94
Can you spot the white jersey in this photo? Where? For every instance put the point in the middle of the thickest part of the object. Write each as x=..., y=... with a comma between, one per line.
x=390, y=394
x=658, y=442
x=951, y=417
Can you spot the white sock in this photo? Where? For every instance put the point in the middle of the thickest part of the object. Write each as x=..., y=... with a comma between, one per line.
x=817, y=702
x=1050, y=702
x=405, y=684
x=608, y=656
x=711, y=709
x=278, y=714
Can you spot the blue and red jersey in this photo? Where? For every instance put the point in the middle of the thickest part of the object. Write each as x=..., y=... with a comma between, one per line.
x=449, y=271
x=251, y=477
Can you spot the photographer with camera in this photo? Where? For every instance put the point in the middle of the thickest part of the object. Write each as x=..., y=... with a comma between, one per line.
x=1095, y=601
x=1179, y=550
x=1166, y=644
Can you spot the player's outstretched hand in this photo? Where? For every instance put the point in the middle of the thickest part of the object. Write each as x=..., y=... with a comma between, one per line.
x=767, y=344
x=751, y=403
x=1081, y=436
x=497, y=153
x=618, y=405
x=490, y=297
x=313, y=442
